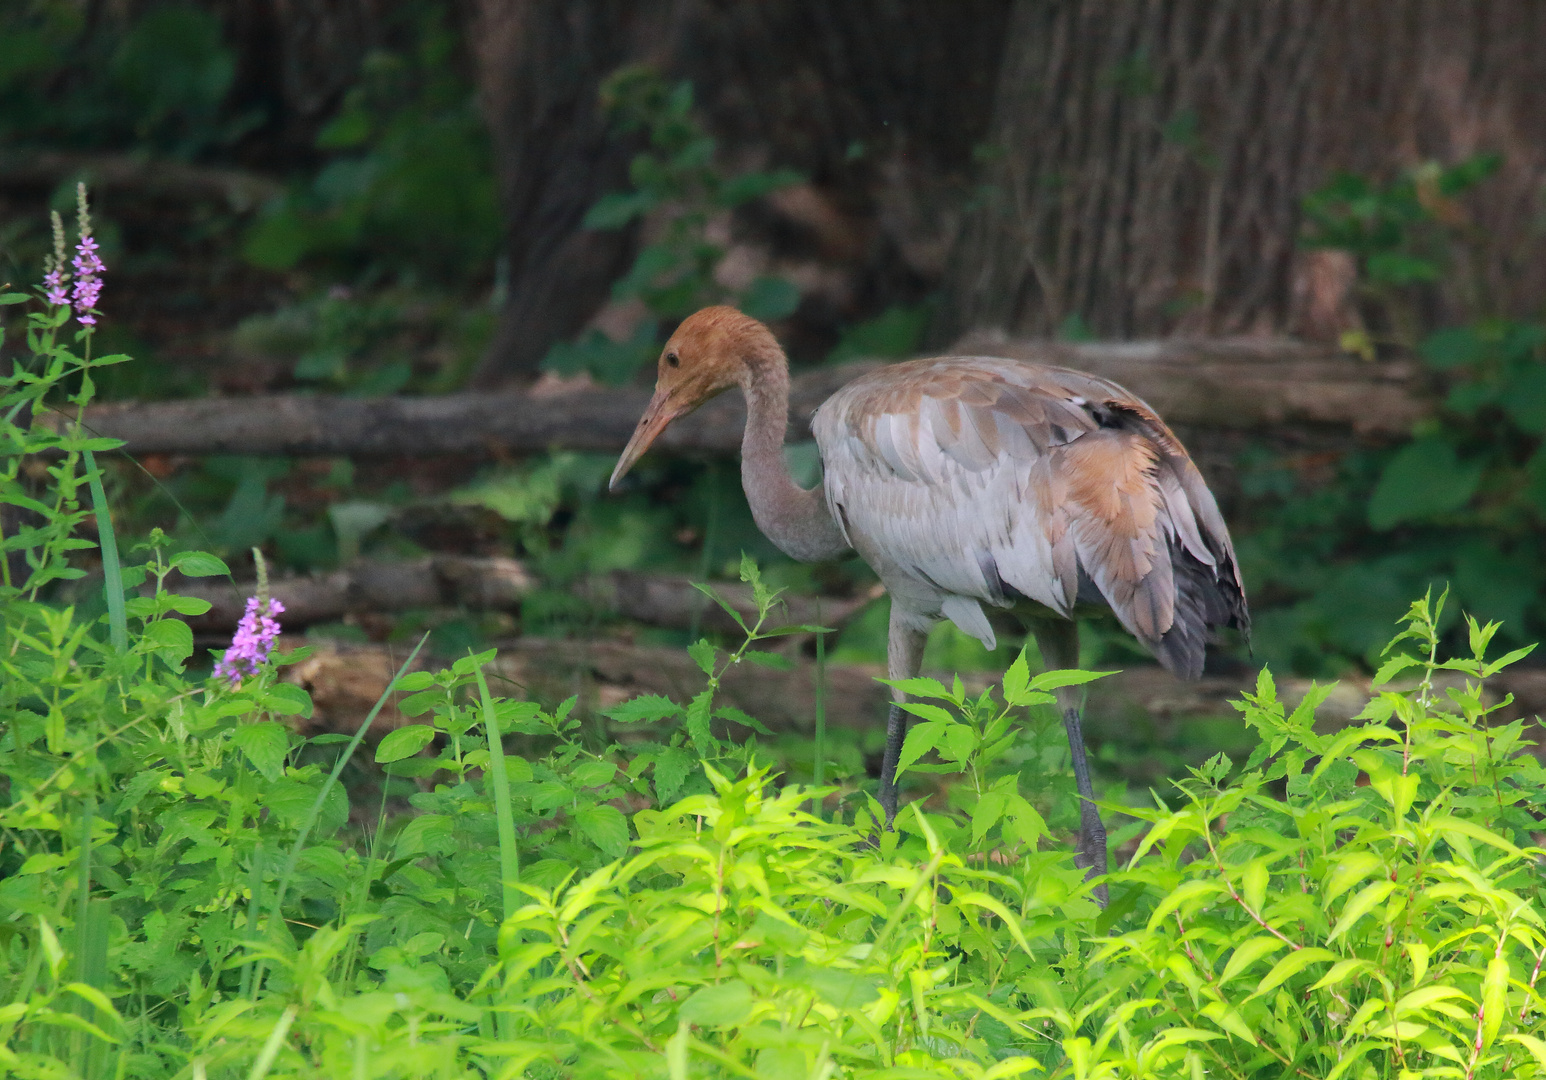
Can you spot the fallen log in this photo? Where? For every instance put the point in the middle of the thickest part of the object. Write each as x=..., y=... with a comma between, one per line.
x=494, y=583
x=176, y=180
x=1244, y=386
x=367, y=585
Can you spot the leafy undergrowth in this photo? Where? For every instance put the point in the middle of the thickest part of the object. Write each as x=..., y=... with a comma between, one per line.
x=188, y=892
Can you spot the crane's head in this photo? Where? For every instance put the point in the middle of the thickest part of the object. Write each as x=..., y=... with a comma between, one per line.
x=710, y=352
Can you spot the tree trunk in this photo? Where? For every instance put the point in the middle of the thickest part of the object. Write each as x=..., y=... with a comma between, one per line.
x=540, y=65
x=1152, y=156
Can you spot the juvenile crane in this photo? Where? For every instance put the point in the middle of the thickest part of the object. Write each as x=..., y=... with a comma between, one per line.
x=972, y=480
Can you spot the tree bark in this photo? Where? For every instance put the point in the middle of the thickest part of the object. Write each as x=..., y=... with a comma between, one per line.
x=1152, y=156
x=1248, y=385
x=540, y=66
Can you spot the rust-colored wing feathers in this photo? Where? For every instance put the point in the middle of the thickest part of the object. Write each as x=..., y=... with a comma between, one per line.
x=1115, y=508
x=979, y=480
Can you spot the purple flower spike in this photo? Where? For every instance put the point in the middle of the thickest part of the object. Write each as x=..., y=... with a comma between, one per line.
x=56, y=277
x=88, y=265
x=253, y=642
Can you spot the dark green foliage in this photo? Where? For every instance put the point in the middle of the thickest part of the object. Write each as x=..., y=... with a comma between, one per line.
x=1423, y=480
x=677, y=179
x=894, y=333
x=159, y=81
x=1398, y=231
x=407, y=186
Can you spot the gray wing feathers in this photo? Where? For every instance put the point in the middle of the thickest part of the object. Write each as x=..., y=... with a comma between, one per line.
x=926, y=494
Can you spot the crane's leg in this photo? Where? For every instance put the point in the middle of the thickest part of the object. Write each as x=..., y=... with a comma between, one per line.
x=904, y=657
x=1059, y=643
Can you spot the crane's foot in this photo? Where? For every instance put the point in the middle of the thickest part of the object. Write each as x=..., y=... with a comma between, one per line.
x=1092, y=852
x=886, y=796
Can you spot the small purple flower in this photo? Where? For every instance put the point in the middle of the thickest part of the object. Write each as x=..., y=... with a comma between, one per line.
x=88, y=265
x=253, y=642
x=55, y=282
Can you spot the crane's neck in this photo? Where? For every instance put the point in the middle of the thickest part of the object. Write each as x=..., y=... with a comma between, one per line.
x=796, y=520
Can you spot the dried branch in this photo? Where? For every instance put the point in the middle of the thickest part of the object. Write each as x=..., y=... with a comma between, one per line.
x=242, y=191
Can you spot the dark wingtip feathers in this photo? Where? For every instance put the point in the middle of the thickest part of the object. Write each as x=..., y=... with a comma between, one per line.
x=1208, y=598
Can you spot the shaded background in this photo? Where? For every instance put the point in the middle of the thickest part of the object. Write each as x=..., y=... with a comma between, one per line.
x=417, y=197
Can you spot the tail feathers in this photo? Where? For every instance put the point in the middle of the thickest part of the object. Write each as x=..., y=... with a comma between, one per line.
x=1207, y=598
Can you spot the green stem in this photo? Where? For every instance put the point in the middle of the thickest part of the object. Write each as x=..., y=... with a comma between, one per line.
x=254, y=903
x=82, y=926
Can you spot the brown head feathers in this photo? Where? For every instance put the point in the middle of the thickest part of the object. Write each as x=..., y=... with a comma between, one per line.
x=712, y=350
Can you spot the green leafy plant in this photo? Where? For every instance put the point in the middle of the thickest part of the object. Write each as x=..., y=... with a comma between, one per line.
x=681, y=761
x=975, y=739
x=1384, y=917
x=1463, y=501
x=408, y=187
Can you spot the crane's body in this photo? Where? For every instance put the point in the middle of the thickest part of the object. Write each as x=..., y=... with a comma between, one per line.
x=970, y=481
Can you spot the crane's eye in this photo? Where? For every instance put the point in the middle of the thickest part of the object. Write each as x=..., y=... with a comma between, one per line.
x=673, y=360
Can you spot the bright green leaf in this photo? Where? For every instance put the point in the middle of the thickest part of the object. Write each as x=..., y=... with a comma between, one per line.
x=287, y=699
x=265, y=744
x=1250, y=951
x=199, y=564
x=605, y=827
x=404, y=742
x=724, y=1005
x=1360, y=905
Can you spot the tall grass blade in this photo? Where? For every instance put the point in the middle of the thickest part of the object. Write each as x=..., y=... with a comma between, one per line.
x=509, y=856
x=254, y=905
x=92, y=969
x=78, y=1045
x=504, y=818
x=112, y=570
x=276, y=1039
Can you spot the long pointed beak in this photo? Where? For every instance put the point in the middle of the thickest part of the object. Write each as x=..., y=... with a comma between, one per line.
x=655, y=419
